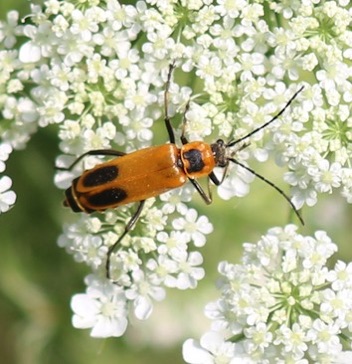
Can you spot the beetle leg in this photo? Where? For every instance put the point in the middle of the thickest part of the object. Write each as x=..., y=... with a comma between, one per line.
x=166, y=105
x=184, y=139
x=207, y=198
x=113, y=152
x=212, y=176
x=131, y=223
x=217, y=182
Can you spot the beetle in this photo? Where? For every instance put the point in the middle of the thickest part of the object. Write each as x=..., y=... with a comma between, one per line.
x=151, y=171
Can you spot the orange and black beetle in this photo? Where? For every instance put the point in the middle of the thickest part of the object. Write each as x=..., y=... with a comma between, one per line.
x=149, y=172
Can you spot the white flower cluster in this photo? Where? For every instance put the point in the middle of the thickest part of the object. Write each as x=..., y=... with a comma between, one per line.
x=281, y=305
x=156, y=256
x=98, y=68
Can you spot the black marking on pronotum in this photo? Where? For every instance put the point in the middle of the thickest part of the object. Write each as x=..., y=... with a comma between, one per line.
x=100, y=176
x=107, y=197
x=196, y=163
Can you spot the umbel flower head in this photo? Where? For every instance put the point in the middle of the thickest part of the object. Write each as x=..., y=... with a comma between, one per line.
x=282, y=304
x=97, y=70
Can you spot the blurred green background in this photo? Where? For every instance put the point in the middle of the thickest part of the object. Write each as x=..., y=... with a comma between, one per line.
x=37, y=278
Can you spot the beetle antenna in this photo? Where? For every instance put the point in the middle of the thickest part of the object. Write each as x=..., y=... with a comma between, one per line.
x=269, y=122
x=282, y=193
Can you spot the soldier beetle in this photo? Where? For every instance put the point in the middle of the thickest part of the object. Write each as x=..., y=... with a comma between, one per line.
x=149, y=172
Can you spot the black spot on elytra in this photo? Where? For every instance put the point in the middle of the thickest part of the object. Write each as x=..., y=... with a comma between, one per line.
x=107, y=197
x=100, y=176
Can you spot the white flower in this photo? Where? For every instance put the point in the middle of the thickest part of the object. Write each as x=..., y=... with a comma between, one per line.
x=236, y=183
x=9, y=30
x=98, y=139
x=40, y=45
x=174, y=199
x=139, y=98
x=188, y=271
x=51, y=111
x=142, y=292
x=326, y=176
x=342, y=276
x=171, y=244
x=294, y=340
x=335, y=304
x=102, y=308
x=159, y=42
x=252, y=65
x=213, y=348
x=259, y=337
x=230, y=8
x=208, y=68
x=194, y=227
x=325, y=337
x=7, y=198
x=164, y=270
x=5, y=151
x=198, y=123
x=136, y=127
x=126, y=63
x=80, y=239
x=84, y=24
